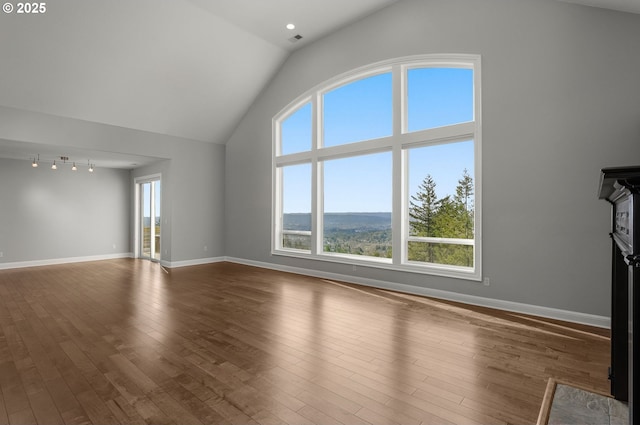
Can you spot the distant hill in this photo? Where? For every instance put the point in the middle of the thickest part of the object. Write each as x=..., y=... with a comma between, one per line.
x=297, y=221
x=146, y=221
x=341, y=221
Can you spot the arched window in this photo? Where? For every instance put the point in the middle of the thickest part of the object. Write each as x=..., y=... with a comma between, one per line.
x=381, y=167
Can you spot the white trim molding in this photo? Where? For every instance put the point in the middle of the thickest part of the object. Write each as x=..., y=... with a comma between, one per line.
x=196, y=262
x=69, y=260
x=515, y=307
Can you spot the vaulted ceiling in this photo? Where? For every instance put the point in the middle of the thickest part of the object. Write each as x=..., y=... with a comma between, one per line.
x=631, y=6
x=186, y=68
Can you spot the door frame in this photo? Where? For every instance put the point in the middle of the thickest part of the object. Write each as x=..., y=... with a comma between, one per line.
x=137, y=228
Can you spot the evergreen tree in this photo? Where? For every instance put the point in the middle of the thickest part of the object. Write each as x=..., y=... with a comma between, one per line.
x=449, y=217
x=423, y=208
x=446, y=222
x=464, y=198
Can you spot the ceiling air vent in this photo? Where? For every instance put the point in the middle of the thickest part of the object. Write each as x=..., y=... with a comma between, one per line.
x=295, y=38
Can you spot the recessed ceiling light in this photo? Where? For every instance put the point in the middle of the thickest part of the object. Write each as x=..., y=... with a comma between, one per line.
x=291, y=27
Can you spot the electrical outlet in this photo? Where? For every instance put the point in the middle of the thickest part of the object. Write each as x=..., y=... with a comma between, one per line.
x=114, y=246
x=1, y=254
x=487, y=281
x=205, y=248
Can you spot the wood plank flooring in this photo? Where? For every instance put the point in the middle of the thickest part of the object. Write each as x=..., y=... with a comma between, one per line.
x=124, y=342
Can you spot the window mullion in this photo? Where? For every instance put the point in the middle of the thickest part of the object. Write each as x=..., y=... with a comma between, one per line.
x=278, y=207
x=316, y=176
x=398, y=100
x=397, y=217
x=404, y=211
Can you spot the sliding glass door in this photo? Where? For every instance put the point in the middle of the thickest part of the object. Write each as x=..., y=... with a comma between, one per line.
x=149, y=219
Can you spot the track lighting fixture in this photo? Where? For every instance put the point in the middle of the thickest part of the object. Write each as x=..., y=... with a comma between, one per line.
x=54, y=163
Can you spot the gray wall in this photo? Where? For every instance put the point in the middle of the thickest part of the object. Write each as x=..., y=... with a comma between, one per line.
x=193, y=175
x=561, y=99
x=192, y=203
x=46, y=214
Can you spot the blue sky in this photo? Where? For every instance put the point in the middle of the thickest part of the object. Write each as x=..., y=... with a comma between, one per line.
x=359, y=111
x=146, y=193
x=363, y=110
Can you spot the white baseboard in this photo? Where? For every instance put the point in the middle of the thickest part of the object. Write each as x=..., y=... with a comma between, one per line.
x=197, y=262
x=534, y=310
x=68, y=260
x=55, y=261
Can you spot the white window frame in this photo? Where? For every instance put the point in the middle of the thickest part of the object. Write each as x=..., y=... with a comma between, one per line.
x=398, y=143
x=137, y=211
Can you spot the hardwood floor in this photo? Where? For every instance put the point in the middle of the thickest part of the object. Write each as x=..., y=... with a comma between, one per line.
x=123, y=341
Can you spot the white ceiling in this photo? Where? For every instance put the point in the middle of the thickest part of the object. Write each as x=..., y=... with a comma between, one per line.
x=160, y=66
x=631, y=6
x=313, y=19
x=186, y=68
x=46, y=154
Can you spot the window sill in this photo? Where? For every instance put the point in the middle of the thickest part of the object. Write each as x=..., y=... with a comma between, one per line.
x=455, y=272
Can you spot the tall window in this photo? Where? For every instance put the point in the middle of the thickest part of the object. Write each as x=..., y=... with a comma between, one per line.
x=381, y=167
